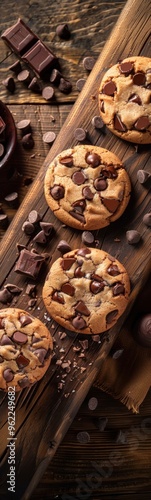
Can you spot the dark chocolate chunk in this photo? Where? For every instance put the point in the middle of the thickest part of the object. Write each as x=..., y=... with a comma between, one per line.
x=93, y=159
x=9, y=84
x=118, y=289
x=57, y=192
x=6, y=340
x=79, y=177
x=80, y=84
x=40, y=58
x=81, y=308
x=41, y=354
x=24, y=126
x=88, y=62
x=48, y=93
x=117, y=354
x=22, y=361
x=34, y=217
x=109, y=88
x=25, y=319
x=27, y=141
x=19, y=337
x=67, y=161
x=24, y=382
x=63, y=31
x=47, y=227
x=135, y=98
x=98, y=123
x=63, y=247
x=83, y=437
x=3, y=221
x=142, y=330
x=121, y=437
x=68, y=289
x=111, y=204
x=29, y=263
x=142, y=123
x=100, y=184
x=87, y=193
x=24, y=77
x=19, y=37
x=49, y=137
x=40, y=238
x=5, y=296
x=87, y=238
x=113, y=270
x=83, y=251
x=16, y=67
x=80, y=134
x=102, y=107
x=111, y=316
x=147, y=219
x=96, y=286
x=79, y=206
x=34, y=85
x=77, y=216
x=58, y=297
x=31, y=290
x=139, y=78
x=92, y=403
x=55, y=76
x=133, y=236
x=109, y=172
x=118, y=124
x=28, y=228
x=32, y=302
x=14, y=289
x=65, y=86
x=96, y=338
x=143, y=176
x=126, y=67
x=12, y=199
x=101, y=423
x=67, y=262
x=78, y=273
x=78, y=322
x=2, y=150
x=8, y=374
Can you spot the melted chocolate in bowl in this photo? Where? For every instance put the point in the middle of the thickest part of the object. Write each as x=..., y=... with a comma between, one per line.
x=9, y=142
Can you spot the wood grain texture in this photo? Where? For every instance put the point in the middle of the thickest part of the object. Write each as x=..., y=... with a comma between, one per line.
x=39, y=411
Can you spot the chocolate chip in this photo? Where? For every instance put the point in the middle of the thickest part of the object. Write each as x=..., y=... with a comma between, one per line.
x=24, y=77
x=32, y=302
x=118, y=124
x=57, y=297
x=63, y=31
x=67, y=161
x=3, y=221
x=9, y=84
x=67, y=262
x=147, y=219
x=80, y=134
x=68, y=289
x=139, y=78
x=24, y=126
x=118, y=289
x=41, y=354
x=31, y=290
x=93, y=159
x=117, y=354
x=77, y=216
x=101, y=423
x=102, y=107
x=109, y=88
x=16, y=67
x=96, y=286
x=133, y=236
x=47, y=227
x=40, y=238
x=63, y=247
x=57, y=192
x=78, y=177
x=5, y=296
x=113, y=270
x=48, y=93
x=80, y=84
x=93, y=403
x=126, y=67
x=79, y=206
x=87, y=238
x=8, y=374
x=143, y=176
x=22, y=361
x=78, y=273
x=14, y=289
x=142, y=123
x=88, y=62
x=79, y=323
x=29, y=263
x=19, y=337
x=142, y=331
x=12, y=199
x=55, y=76
x=65, y=86
x=28, y=228
x=111, y=316
x=81, y=308
x=6, y=340
x=135, y=98
x=25, y=320
x=98, y=123
x=121, y=438
x=83, y=437
x=83, y=251
x=87, y=193
x=111, y=204
x=34, y=85
x=34, y=217
x=27, y=141
x=2, y=150
x=100, y=184
x=109, y=172
x=24, y=382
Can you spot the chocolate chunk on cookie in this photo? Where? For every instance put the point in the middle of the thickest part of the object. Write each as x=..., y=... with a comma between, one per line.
x=25, y=349
x=85, y=291
x=125, y=99
x=87, y=187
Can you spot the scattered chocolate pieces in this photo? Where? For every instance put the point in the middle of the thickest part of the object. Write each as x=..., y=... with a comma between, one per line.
x=27, y=141
x=47, y=227
x=34, y=85
x=80, y=83
x=121, y=438
x=5, y=296
x=147, y=219
x=98, y=123
x=28, y=228
x=87, y=238
x=63, y=31
x=142, y=330
x=101, y=423
x=12, y=199
x=93, y=403
x=117, y=354
x=9, y=84
x=16, y=67
x=143, y=176
x=88, y=63
x=55, y=76
x=83, y=437
x=40, y=238
x=29, y=263
x=49, y=137
x=48, y=93
x=31, y=290
x=133, y=237
x=63, y=247
x=80, y=134
x=24, y=126
x=34, y=217
x=84, y=344
x=24, y=76
x=65, y=86
x=14, y=289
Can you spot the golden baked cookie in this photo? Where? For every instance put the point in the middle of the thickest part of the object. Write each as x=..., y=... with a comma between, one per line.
x=125, y=99
x=87, y=187
x=25, y=349
x=86, y=290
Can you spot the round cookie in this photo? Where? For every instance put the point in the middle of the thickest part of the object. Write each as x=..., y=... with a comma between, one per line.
x=25, y=349
x=87, y=187
x=125, y=99
x=86, y=290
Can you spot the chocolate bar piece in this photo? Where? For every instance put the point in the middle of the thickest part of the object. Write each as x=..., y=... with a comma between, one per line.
x=29, y=263
x=40, y=58
x=19, y=37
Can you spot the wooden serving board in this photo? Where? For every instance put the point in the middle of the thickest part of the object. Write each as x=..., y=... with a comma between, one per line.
x=43, y=414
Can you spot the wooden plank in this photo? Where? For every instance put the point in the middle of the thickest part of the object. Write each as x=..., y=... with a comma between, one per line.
x=42, y=414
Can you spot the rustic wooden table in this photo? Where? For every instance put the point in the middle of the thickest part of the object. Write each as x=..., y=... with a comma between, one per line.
x=72, y=474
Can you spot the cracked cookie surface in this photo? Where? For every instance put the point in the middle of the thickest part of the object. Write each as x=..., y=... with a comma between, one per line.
x=125, y=99
x=87, y=187
x=86, y=290
x=25, y=349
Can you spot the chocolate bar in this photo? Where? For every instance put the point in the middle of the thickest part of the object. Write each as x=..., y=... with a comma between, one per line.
x=30, y=48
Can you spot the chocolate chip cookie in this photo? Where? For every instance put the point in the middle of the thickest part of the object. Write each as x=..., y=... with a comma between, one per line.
x=125, y=99
x=25, y=349
x=87, y=187
x=86, y=290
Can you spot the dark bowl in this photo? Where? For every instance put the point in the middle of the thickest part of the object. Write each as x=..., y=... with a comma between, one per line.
x=10, y=139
